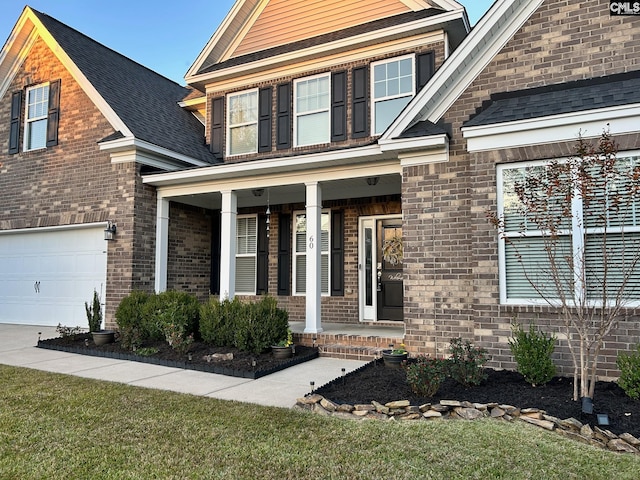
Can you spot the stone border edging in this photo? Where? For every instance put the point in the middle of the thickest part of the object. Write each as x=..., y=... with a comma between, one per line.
x=452, y=409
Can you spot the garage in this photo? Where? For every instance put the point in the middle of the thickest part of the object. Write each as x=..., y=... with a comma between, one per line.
x=46, y=274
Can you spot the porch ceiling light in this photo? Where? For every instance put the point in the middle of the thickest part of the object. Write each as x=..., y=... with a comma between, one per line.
x=257, y=192
x=110, y=231
x=373, y=180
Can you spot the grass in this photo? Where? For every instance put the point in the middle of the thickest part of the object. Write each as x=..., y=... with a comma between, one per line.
x=61, y=427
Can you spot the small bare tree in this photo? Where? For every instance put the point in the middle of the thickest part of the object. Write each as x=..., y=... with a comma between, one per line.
x=583, y=214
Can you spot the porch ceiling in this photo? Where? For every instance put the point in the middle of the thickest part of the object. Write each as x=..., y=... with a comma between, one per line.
x=295, y=193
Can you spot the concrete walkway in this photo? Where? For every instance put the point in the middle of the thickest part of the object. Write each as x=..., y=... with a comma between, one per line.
x=280, y=389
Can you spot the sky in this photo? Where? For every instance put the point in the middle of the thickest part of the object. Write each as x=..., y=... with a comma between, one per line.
x=163, y=35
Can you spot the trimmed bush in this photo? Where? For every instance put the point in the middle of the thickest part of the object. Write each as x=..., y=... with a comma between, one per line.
x=629, y=380
x=218, y=320
x=180, y=309
x=426, y=374
x=532, y=352
x=130, y=319
x=466, y=362
x=252, y=327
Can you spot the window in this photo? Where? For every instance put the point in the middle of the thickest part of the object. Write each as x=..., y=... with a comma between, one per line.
x=37, y=109
x=581, y=232
x=300, y=253
x=246, y=254
x=311, y=110
x=392, y=87
x=242, y=119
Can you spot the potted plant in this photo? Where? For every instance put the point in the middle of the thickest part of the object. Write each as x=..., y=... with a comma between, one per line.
x=283, y=349
x=94, y=317
x=393, y=357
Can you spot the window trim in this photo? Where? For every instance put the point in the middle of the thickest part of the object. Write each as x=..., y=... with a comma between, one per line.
x=575, y=232
x=295, y=254
x=295, y=109
x=374, y=100
x=229, y=126
x=28, y=121
x=247, y=255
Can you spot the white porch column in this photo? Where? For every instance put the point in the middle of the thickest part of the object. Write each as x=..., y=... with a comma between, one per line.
x=162, y=243
x=314, y=232
x=228, y=244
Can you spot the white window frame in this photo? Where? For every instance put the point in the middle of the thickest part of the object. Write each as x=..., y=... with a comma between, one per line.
x=29, y=121
x=574, y=233
x=253, y=254
x=375, y=100
x=230, y=126
x=323, y=253
x=297, y=114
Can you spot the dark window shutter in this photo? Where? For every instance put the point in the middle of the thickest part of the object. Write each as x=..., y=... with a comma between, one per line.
x=283, y=114
x=54, y=113
x=284, y=254
x=264, y=119
x=339, y=106
x=14, y=131
x=217, y=126
x=262, y=269
x=216, y=227
x=425, y=67
x=337, y=253
x=360, y=103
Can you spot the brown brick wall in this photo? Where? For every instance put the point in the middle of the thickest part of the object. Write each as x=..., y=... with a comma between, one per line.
x=452, y=269
x=74, y=183
x=436, y=47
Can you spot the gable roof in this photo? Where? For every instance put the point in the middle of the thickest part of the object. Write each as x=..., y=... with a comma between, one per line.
x=577, y=96
x=245, y=13
x=140, y=104
x=491, y=33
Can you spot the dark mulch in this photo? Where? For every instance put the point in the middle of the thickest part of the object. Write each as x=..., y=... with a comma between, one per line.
x=244, y=364
x=376, y=382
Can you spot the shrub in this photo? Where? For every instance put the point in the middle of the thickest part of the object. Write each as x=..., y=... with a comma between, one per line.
x=260, y=325
x=466, y=362
x=130, y=319
x=217, y=320
x=426, y=374
x=532, y=352
x=162, y=309
x=94, y=313
x=629, y=380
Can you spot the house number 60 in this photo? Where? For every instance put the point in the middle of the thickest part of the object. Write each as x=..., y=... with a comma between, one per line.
x=311, y=242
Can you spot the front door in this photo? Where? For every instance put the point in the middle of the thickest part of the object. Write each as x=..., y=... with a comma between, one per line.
x=380, y=267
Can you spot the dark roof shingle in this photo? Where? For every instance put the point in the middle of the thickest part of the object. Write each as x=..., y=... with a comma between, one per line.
x=144, y=100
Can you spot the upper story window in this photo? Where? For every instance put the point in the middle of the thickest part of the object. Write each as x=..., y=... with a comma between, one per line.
x=392, y=87
x=242, y=122
x=37, y=109
x=311, y=110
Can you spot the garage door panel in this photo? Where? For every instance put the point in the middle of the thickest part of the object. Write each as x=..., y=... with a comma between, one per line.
x=46, y=276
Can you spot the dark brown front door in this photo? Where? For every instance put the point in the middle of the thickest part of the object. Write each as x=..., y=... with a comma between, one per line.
x=389, y=269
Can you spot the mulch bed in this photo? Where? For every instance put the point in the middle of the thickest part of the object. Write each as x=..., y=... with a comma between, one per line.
x=376, y=382
x=243, y=364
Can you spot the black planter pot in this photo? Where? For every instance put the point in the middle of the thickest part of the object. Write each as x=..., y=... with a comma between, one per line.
x=281, y=352
x=103, y=337
x=393, y=360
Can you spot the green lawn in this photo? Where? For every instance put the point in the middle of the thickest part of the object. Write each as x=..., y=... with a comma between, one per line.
x=56, y=426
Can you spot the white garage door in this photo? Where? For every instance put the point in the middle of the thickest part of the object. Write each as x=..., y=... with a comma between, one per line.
x=46, y=275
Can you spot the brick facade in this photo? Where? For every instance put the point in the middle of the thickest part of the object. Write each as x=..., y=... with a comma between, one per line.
x=75, y=183
x=452, y=270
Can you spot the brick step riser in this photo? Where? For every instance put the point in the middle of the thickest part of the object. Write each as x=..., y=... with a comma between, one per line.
x=350, y=347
